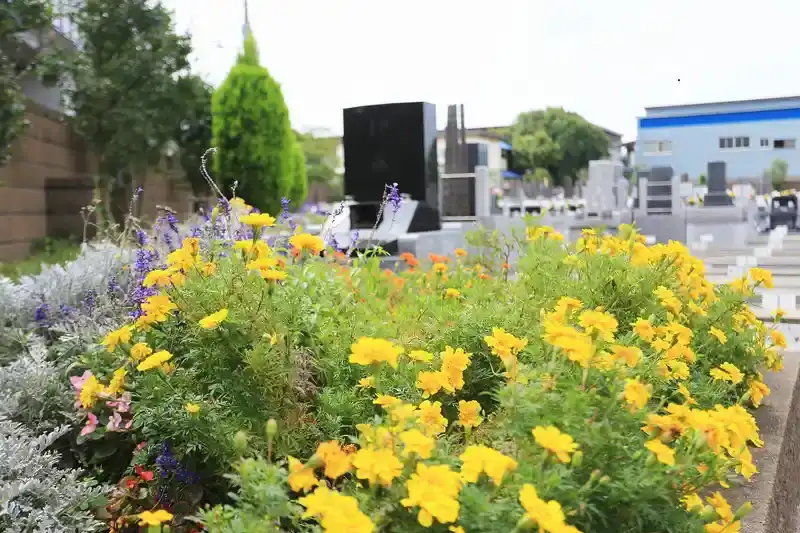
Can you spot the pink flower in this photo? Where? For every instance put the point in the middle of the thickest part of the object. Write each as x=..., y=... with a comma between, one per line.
x=91, y=425
x=114, y=421
x=123, y=404
x=77, y=384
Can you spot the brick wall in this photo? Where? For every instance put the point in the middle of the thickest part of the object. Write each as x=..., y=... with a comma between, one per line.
x=48, y=180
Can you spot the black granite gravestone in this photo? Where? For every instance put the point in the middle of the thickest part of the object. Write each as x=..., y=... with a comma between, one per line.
x=659, y=190
x=717, y=186
x=391, y=144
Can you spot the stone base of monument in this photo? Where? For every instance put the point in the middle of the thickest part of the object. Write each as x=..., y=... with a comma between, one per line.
x=717, y=200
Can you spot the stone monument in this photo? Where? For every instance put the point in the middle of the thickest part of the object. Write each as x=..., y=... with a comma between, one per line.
x=659, y=191
x=599, y=191
x=621, y=193
x=717, y=186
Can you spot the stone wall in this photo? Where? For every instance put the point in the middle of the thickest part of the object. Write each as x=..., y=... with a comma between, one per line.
x=48, y=181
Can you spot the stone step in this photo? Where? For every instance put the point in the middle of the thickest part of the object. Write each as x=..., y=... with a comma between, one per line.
x=788, y=282
x=792, y=260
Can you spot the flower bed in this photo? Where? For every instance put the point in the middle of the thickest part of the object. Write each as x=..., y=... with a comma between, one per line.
x=603, y=387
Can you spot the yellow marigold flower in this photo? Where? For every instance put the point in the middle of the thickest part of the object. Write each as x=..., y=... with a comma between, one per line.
x=659, y=345
x=367, y=382
x=192, y=408
x=478, y=459
x=157, y=278
x=336, y=512
x=430, y=382
x=158, y=307
x=191, y=244
x=460, y=252
x=368, y=351
x=140, y=350
x=567, y=305
x=555, y=442
x=663, y=453
x=745, y=467
x=504, y=344
x=237, y=203
x=469, y=413
x=384, y=400
x=742, y=286
x=245, y=245
x=727, y=372
x=548, y=515
x=439, y=268
x=758, y=390
x=258, y=220
x=337, y=462
x=630, y=354
x=208, y=269
x=718, y=334
x=636, y=393
x=378, y=466
x=154, y=361
x=431, y=418
x=778, y=338
x=672, y=369
x=273, y=275
x=214, y=319
x=416, y=442
x=154, y=518
x=301, y=477
x=686, y=394
x=721, y=506
x=90, y=391
x=305, y=241
x=692, y=502
x=454, y=362
x=600, y=323
x=117, y=337
x=262, y=263
x=456, y=529
x=117, y=384
x=420, y=355
x=434, y=489
x=668, y=299
x=451, y=293
x=762, y=276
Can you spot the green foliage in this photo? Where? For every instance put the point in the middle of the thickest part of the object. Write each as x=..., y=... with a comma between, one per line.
x=559, y=141
x=319, y=148
x=285, y=351
x=124, y=91
x=46, y=252
x=299, y=191
x=702, y=180
x=778, y=173
x=18, y=60
x=252, y=134
x=193, y=134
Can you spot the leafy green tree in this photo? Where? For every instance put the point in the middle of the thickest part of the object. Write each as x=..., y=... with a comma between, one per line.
x=193, y=133
x=562, y=142
x=21, y=57
x=252, y=134
x=320, y=155
x=299, y=191
x=124, y=93
x=778, y=173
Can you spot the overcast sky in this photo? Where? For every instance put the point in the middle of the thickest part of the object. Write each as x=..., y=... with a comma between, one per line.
x=606, y=60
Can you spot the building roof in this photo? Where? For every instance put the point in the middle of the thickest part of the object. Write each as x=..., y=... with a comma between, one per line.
x=778, y=99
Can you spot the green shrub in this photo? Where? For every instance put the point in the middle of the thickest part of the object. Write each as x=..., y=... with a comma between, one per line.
x=299, y=190
x=252, y=134
x=600, y=389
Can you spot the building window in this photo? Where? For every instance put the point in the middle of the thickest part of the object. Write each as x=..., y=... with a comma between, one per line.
x=726, y=143
x=780, y=144
x=764, y=142
x=658, y=147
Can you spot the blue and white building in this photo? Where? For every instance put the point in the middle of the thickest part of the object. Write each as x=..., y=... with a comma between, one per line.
x=748, y=135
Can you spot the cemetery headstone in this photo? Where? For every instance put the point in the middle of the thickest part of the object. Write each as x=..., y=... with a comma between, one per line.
x=659, y=191
x=717, y=186
x=600, y=198
x=568, y=185
x=621, y=192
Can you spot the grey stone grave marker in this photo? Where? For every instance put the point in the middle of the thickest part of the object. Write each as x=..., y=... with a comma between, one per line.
x=717, y=186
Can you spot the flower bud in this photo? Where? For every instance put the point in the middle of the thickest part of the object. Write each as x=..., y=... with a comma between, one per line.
x=315, y=462
x=272, y=429
x=604, y=480
x=577, y=459
x=525, y=523
x=743, y=511
x=709, y=514
x=240, y=442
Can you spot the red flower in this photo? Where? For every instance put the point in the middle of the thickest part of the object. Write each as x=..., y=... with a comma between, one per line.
x=146, y=475
x=131, y=483
x=140, y=446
